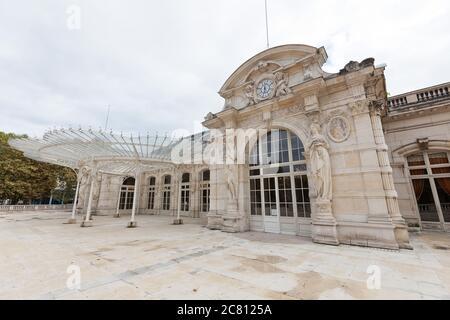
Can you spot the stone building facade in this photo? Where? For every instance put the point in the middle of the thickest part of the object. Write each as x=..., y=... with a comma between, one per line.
x=324, y=155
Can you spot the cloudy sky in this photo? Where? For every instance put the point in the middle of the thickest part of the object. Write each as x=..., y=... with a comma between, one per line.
x=159, y=64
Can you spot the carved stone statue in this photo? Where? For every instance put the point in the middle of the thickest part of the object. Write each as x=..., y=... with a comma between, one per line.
x=210, y=116
x=249, y=95
x=231, y=183
x=320, y=165
x=282, y=86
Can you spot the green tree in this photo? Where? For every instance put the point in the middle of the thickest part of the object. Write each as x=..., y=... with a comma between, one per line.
x=27, y=180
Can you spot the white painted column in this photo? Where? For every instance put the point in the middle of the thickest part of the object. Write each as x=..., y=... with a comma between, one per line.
x=178, y=220
x=133, y=223
x=73, y=219
x=87, y=221
x=117, y=215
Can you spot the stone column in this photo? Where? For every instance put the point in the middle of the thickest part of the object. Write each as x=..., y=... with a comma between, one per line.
x=195, y=193
x=323, y=222
x=401, y=230
x=73, y=219
x=158, y=193
x=117, y=214
x=234, y=219
x=215, y=220
x=178, y=219
x=133, y=223
x=96, y=195
x=324, y=226
x=87, y=222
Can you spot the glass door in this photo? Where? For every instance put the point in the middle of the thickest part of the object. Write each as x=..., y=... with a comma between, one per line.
x=271, y=212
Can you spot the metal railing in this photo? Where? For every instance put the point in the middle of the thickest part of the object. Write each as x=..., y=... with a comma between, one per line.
x=34, y=207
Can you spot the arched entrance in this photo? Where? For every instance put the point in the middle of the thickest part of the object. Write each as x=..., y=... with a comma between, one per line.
x=279, y=192
x=127, y=194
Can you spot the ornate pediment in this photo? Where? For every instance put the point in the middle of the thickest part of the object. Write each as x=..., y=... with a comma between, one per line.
x=267, y=86
x=272, y=73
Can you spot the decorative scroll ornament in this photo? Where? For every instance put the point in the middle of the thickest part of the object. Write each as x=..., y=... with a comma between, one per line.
x=249, y=94
x=282, y=85
x=270, y=85
x=338, y=129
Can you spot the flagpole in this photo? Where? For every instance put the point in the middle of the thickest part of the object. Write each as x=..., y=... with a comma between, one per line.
x=107, y=117
x=267, y=25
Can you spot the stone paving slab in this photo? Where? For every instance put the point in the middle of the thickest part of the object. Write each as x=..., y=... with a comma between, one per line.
x=158, y=260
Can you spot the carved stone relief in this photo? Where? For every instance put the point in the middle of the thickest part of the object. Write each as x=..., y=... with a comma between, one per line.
x=338, y=129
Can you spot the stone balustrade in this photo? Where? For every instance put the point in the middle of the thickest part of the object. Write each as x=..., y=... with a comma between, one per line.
x=419, y=96
x=34, y=207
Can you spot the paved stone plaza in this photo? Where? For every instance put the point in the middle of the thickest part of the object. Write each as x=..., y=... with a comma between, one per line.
x=158, y=260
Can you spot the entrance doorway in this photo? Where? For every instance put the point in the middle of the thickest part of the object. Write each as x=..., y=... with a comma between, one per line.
x=279, y=193
x=127, y=194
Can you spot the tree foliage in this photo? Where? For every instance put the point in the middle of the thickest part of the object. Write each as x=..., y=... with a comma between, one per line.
x=27, y=180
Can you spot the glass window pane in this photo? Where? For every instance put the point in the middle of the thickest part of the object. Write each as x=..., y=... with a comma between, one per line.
x=418, y=172
x=307, y=210
x=300, y=210
x=290, y=210
x=416, y=160
x=438, y=158
x=185, y=177
x=289, y=194
x=440, y=170
x=299, y=167
x=299, y=195
x=425, y=200
x=443, y=190
x=206, y=175
x=298, y=182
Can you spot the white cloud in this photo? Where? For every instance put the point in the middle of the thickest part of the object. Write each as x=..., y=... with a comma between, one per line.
x=159, y=64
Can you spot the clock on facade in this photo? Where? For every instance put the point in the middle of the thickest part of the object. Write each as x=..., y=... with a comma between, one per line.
x=265, y=88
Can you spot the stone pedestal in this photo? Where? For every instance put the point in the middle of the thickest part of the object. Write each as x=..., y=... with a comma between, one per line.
x=132, y=224
x=85, y=224
x=116, y=215
x=324, y=225
x=72, y=221
x=215, y=221
x=233, y=219
x=402, y=235
x=177, y=221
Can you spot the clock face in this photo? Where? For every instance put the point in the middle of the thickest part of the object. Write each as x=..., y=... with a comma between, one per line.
x=265, y=88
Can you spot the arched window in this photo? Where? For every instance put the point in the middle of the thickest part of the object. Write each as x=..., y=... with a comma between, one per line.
x=430, y=175
x=185, y=192
x=166, y=192
x=151, y=193
x=278, y=180
x=204, y=190
x=127, y=194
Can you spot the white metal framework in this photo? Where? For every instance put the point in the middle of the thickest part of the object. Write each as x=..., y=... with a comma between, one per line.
x=113, y=153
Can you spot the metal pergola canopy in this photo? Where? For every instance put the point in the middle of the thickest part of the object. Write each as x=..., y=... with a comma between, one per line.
x=112, y=153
